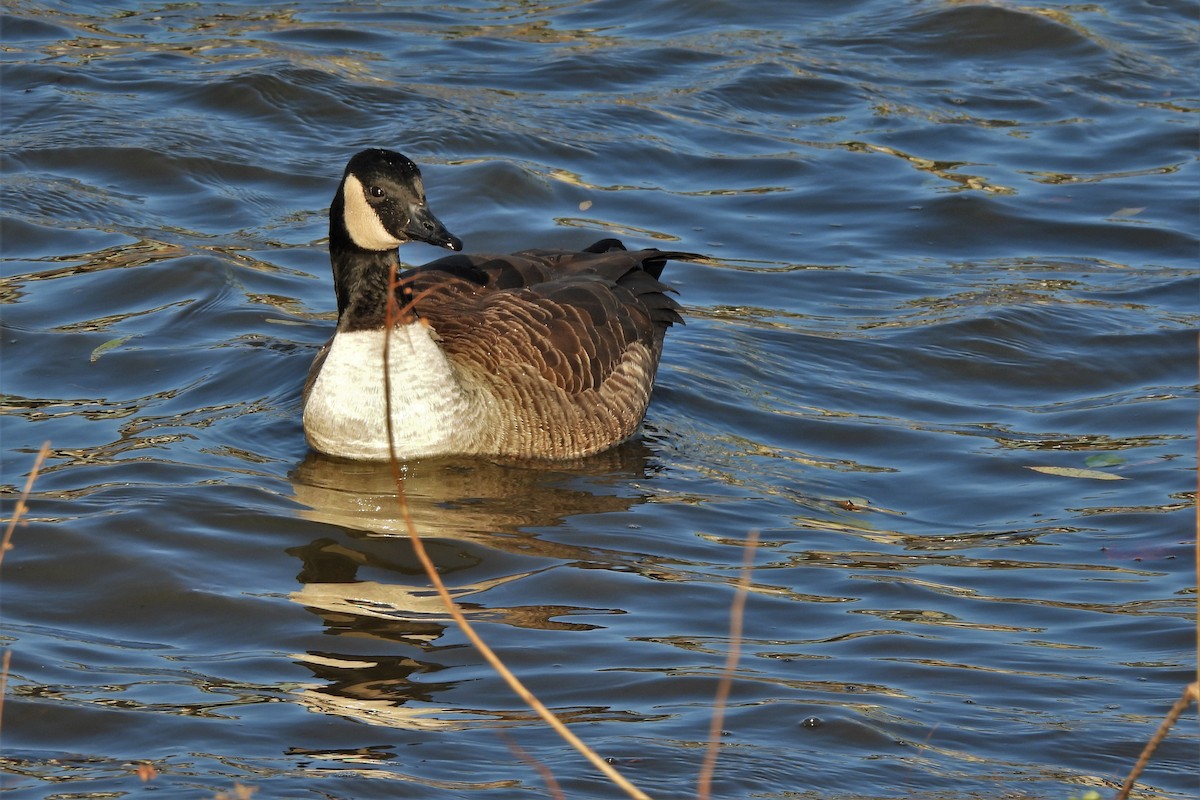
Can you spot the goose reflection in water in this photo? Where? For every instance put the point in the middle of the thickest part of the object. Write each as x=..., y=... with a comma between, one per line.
x=475, y=516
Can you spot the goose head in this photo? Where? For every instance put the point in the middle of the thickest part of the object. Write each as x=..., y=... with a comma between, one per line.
x=379, y=205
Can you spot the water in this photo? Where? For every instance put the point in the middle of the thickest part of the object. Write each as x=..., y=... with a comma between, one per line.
x=947, y=242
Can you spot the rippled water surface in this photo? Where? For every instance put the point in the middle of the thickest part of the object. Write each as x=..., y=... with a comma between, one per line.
x=947, y=242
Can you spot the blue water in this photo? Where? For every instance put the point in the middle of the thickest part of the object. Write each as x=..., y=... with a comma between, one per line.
x=946, y=242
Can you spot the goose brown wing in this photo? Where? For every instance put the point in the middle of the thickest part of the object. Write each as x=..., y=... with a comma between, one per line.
x=572, y=317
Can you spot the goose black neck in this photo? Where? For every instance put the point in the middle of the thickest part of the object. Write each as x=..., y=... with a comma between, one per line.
x=360, y=276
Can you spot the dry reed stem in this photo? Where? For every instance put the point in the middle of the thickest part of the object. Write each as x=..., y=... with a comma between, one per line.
x=21, y=506
x=7, y=659
x=5, y=545
x=1190, y=695
x=736, y=616
x=547, y=776
x=394, y=312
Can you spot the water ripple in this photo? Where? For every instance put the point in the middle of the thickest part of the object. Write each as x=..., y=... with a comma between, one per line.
x=946, y=243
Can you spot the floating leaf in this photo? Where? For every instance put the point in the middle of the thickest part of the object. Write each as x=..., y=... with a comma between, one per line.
x=1072, y=472
x=109, y=345
x=1128, y=212
x=1104, y=460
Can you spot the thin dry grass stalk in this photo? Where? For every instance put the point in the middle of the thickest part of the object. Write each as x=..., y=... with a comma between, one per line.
x=1190, y=695
x=6, y=545
x=737, y=612
x=4, y=662
x=547, y=776
x=22, y=507
x=394, y=313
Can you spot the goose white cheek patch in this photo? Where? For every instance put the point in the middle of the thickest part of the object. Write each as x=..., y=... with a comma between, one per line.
x=362, y=223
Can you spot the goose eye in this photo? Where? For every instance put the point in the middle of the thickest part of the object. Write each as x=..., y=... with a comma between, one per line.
x=375, y=191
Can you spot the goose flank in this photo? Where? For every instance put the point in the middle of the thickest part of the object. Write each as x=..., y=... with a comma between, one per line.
x=538, y=354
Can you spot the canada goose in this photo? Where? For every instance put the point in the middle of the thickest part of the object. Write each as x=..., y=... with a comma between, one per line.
x=538, y=354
